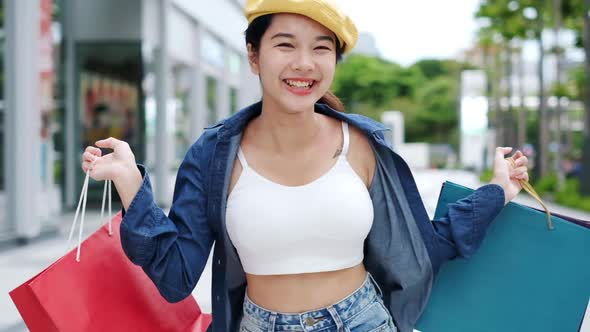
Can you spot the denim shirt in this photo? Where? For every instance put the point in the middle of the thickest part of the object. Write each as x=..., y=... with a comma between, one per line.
x=403, y=250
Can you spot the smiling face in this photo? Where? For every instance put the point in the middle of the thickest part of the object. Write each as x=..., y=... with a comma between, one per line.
x=295, y=61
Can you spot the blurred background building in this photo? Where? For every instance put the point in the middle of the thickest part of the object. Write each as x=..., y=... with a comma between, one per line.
x=151, y=72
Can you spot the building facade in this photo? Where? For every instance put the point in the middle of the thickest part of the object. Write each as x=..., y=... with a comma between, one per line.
x=151, y=72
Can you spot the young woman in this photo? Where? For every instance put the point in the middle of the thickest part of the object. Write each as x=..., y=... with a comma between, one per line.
x=317, y=223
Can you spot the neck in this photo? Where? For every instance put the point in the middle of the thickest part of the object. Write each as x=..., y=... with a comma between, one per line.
x=286, y=132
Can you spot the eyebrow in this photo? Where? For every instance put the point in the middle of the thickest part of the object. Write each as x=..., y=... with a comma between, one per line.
x=288, y=35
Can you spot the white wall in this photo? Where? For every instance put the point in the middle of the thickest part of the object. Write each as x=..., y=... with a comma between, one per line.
x=182, y=37
x=223, y=18
x=416, y=155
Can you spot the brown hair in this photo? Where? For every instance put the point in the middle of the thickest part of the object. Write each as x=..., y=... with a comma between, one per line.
x=333, y=101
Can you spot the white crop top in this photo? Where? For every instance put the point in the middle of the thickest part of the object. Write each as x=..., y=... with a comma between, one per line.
x=316, y=227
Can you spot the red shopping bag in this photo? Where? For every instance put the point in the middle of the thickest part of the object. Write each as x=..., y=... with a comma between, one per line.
x=102, y=292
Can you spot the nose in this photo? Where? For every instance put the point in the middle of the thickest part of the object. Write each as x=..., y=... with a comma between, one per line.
x=303, y=62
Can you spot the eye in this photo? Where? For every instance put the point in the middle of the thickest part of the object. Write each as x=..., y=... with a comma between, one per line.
x=285, y=45
x=326, y=48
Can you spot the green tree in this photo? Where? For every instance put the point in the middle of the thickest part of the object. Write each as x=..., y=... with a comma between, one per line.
x=437, y=119
x=425, y=92
x=576, y=17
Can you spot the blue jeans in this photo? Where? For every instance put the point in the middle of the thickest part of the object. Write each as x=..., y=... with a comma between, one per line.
x=361, y=311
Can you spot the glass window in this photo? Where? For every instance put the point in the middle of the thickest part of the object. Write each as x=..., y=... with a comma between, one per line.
x=234, y=64
x=211, y=100
x=212, y=51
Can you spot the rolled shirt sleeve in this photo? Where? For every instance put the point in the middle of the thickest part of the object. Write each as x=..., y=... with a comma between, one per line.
x=173, y=249
x=467, y=220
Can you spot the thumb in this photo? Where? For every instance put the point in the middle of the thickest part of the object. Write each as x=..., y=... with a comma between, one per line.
x=502, y=151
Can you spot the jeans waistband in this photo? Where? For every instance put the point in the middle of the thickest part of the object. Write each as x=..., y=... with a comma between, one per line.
x=320, y=318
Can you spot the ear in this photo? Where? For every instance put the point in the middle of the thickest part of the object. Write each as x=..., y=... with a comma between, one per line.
x=253, y=60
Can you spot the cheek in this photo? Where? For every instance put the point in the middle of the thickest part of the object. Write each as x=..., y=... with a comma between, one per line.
x=328, y=70
x=268, y=67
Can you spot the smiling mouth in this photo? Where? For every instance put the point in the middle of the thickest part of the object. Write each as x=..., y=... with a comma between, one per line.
x=304, y=85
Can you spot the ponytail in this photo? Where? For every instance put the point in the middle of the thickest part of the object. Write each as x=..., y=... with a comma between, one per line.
x=332, y=101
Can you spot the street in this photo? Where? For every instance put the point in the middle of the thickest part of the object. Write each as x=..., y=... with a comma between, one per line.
x=18, y=264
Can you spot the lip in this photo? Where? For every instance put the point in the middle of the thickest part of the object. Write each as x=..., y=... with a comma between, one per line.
x=297, y=91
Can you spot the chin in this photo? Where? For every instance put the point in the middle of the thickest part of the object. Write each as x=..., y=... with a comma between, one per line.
x=299, y=106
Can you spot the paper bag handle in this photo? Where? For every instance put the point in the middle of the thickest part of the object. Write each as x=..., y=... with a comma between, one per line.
x=529, y=189
x=82, y=205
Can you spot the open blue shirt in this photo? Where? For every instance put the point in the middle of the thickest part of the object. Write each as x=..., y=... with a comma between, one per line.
x=403, y=250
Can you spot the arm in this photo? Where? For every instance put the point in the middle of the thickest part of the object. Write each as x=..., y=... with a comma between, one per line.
x=173, y=249
x=465, y=224
x=467, y=220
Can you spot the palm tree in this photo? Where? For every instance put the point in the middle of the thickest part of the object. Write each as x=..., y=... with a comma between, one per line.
x=521, y=123
x=534, y=12
x=559, y=52
x=501, y=17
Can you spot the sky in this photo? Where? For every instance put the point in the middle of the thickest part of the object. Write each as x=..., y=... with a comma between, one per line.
x=409, y=30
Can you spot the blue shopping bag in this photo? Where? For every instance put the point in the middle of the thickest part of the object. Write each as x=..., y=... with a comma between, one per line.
x=523, y=278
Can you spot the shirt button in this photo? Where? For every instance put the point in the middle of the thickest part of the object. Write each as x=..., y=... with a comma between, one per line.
x=217, y=298
x=219, y=262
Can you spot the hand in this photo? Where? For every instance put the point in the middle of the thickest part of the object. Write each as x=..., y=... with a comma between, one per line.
x=110, y=166
x=118, y=166
x=507, y=176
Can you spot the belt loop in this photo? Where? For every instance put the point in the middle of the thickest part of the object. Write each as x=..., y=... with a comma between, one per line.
x=271, y=321
x=337, y=319
x=377, y=288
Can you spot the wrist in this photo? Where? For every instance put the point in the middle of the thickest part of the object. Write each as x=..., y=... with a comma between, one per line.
x=502, y=185
x=127, y=173
x=127, y=182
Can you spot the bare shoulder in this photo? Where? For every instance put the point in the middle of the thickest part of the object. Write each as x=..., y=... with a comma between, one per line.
x=361, y=155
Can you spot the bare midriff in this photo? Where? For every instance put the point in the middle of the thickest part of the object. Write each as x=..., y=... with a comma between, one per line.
x=296, y=293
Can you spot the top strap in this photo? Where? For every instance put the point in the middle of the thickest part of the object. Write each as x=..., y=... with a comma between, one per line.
x=346, y=142
x=242, y=158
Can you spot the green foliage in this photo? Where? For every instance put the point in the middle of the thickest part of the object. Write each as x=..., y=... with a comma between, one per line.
x=570, y=196
x=547, y=184
x=363, y=79
x=425, y=92
x=438, y=115
x=432, y=68
x=576, y=83
x=486, y=175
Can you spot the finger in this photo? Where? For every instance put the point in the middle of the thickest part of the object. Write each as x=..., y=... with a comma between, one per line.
x=502, y=151
x=87, y=156
x=522, y=161
x=517, y=154
x=86, y=166
x=518, y=171
x=523, y=176
x=93, y=150
x=109, y=143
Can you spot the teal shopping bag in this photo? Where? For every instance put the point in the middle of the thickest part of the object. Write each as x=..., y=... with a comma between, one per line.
x=523, y=278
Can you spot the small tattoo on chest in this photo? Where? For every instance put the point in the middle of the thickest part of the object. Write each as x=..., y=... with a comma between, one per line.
x=338, y=152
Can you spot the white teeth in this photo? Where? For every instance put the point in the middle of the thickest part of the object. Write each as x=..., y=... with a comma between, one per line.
x=299, y=84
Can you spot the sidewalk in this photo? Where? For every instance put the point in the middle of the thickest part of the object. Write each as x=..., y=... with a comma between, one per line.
x=429, y=183
x=19, y=264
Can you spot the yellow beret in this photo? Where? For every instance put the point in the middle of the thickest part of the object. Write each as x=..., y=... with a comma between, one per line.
x=324, y=12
